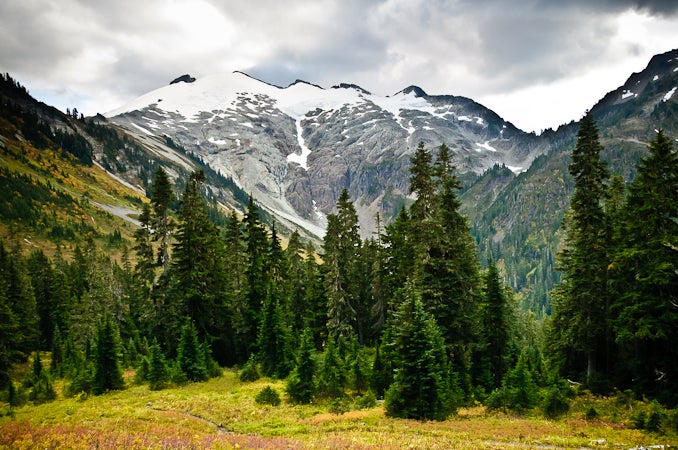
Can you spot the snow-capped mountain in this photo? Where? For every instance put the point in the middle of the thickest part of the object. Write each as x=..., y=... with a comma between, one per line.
x=295, y=148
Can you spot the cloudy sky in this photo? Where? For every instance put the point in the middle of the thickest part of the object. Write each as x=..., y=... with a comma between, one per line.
x=537, y=63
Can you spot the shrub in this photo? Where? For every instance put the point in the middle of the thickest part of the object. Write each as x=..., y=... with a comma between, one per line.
x=250, y=372
x=554, y=402
x=497, y=399
x=655, y=417
x=339, y=406
x=268, y=396
x=590, y=413
x=369, y=400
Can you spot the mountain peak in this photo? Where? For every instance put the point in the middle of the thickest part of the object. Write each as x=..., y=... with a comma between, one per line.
x=351, y=86
x=418, y=92
x=183, y=79
x=298, y=81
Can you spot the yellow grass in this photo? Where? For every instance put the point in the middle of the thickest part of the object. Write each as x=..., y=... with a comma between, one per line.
x=222, y=413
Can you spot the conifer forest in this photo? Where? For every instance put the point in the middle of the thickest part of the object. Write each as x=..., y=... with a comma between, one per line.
x=411, y=315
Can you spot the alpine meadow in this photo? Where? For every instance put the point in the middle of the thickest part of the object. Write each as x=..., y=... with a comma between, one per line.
x=225, y=263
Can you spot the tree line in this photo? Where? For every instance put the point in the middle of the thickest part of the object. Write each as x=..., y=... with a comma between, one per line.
x=615, y=320
x=408, y=315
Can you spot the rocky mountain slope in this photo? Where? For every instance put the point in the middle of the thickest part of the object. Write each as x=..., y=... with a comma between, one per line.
x=295, y=148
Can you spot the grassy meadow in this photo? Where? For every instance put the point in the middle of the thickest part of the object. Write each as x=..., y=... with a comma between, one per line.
x=222, y=414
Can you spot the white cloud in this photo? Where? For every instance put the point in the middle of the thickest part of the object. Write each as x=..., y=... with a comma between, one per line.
x=538, y=64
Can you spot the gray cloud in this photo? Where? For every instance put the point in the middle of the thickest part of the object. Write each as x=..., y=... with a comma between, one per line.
x=106, y=52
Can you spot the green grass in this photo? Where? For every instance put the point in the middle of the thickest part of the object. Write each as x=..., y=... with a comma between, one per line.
x=222, y=413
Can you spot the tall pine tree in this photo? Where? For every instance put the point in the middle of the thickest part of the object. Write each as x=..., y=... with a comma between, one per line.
x=342, y=246
x=645, y=276
x=579, y=330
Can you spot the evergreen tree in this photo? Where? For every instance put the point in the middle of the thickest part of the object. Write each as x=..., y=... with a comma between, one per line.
x=161, y=199
x=42, y=390
x=256, y=276
x=56, y=365
x=342, y=284
x=21, y=330
x=451, y=281
x=158, y=372
x=273, y=341
x=422, y=386
x=235, y=285
x=301, y=384
x=518, y=391
x=295, y=282
x=190, y=358
x=581, y=301
x=446, y=267
x=143, y=311
x=199, y=269
x=399, y=256
x=107, y=370
x=332, y=373
x=492, y=357
x=40, y=273
x=645, y=276
x=9, y=323
x=359, y=375
x=422, y=184
x=382, y=374
x=315, y=312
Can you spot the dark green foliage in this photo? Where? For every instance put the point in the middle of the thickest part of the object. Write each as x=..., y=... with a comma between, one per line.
x=359, y=373
x=161, y=200
x=366, y=401
x=650, y=418
x=74, y=144
x=422, y=386
x=555, y=399
x=342, y=281
x=250, y=371
x=214, y=370
x=492, y=355
x=332, y=372
x=56, y=367
x=580, y=334
x=190, y=356
x=590, y=413
x=645, y=275
x=256, y=278
x=518, y=391
x=80, y=373
x=39, y=383
x=268, y=396
x=107, y=370
x=445, y=266
x=273, y=341
x=301, y=382
x=158, y=372
x=339, y=405
x=198, y=270
x=274, y=334
x=382, y=374
x=20, y=332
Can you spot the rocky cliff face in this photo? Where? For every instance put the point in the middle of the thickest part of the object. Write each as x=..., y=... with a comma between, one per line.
x=294, y=149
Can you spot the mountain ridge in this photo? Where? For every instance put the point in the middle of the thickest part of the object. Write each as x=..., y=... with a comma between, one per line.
x=307, y=143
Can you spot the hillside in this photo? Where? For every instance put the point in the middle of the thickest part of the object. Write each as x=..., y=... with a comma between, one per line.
x=55, y=194
x=73, y=178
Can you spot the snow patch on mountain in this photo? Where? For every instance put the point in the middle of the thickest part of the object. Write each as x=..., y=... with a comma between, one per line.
x=669, y=94
x=485, y=146
x=302, y=159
